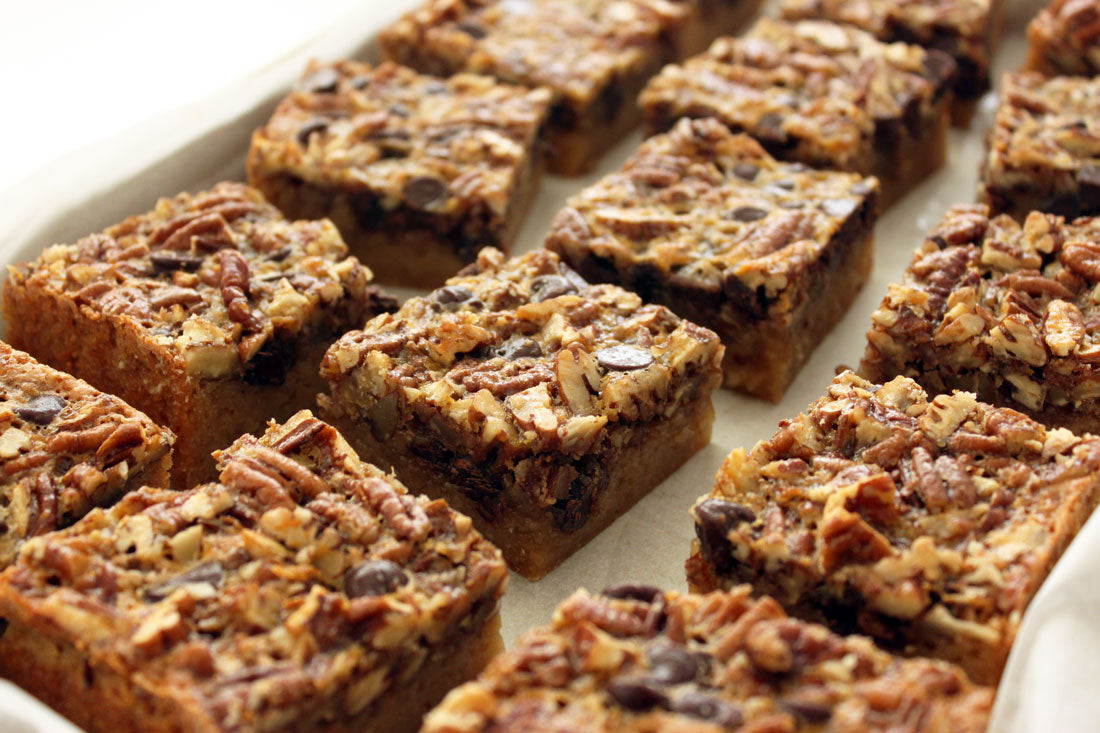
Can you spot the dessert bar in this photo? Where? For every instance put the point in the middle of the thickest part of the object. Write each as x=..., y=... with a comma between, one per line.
x=637, y=659
x=304, y=591
x=66, y=448
x=418, y=173
x=769, y=255
x=594, y=56
x=540, y=405
x=818, y=93
x=1044, y=148
x=1001, y=309
x=927, y=523
x=968, y=30
x=1064, y=39
x=210, y=314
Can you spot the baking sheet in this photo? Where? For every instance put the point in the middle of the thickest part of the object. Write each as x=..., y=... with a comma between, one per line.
x=1054, y=667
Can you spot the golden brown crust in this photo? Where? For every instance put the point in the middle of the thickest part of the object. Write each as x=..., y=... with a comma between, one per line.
x=636, y=659
x=297, y=591
x=927, y=523
x=66, y=448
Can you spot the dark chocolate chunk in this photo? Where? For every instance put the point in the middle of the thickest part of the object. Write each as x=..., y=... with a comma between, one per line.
x=208, y=572
x=452, y=296
x=746, y=171
x=519, y=347
x=574, y=277
x=374, y=578
x=709, y=708
x=770, y=128
x=545, y=287
x=672, y=664
x=634, y=592
x=317, y=124
x=623, y=358
x=812, y=712
x=840, y=208
x=422, y=192
x=748, y=213
x=636, y=693
x=171, y=261
x=42, y=409
x=271, y=362
x=322, y=81
x=473, y=30
x=713, y=520
x=939, y=67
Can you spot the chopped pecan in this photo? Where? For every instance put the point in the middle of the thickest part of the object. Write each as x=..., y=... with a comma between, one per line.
x=234, y=284
x=401, y=511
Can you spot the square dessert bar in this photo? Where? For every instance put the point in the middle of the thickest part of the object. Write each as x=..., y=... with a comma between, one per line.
x=769, y=255
x=209, y=313
x=1044, y=148
x=636, y=659
x=594, y=56
x=927, y=523
x=968, y=30
x=818, y=93
x=540, y=405
x=1005, y=310
x=65, y=448
x=418, y=173
x=1064, y=39
x=304, y=591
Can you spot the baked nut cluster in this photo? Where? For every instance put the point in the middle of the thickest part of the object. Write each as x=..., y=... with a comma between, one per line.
x=704, y=221
x=302, y=589
x=1064, y=39
x=634, y=658
x=999, y=308
x=521, y=392
x=928, y=523
x=385, y=152
x=66, y=448
x=1044, y=148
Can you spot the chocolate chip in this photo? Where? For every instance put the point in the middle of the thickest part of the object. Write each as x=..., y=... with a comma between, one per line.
x=812, y=712
x=748, y=213
x=574, y=277
x=208, y=572
x=322, y=81
x=623, y=358
x=451, y=296
x=708, y=707
x=636, y=693
x=421, y=192
x=545, y=287
x=940, y=67
x=473, y=30
x=374, y=578
x=360, y=82
x=770, y=128
x=42, y=409
x=634, y=592
x=840, y=208
x=168, y=262
x=317, y=124
x=713, y=520
x=672, y=664
x=519, y=347
x=724, y=512
x=746, y=171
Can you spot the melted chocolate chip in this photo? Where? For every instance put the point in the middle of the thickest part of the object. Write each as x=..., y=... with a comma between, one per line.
x=636, y=693
x=623, y=358
x=672, y=664
x=208, y=572
x=519, y=347
x=545, y=287
x=317, y=124
x=473, y=30
x=748, y=213
x=709, y=708
x=812, y=712
x=840, y=208
x=323, y=81
x=713, y=520
x=451, y=296
x=634, y=592
x=421, y=192
x=169, y=262
x=374, y=578
x=42, y=409
x=746, y=171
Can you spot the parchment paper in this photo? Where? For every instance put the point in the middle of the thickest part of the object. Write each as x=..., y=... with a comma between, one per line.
x=1054, y=670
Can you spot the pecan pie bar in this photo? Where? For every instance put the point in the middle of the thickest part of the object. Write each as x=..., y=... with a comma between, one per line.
x=1044, y=147
x=593, y=55
x=304, y=591
x=65, y=448
x=1005, y=310
x=926, y=523
x=636, y=659
x=417, y=172
x=540, y=405
x=1064, y=38
x=209, y=313
x=968, y=30
x=769, y=255
x=819, y=93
